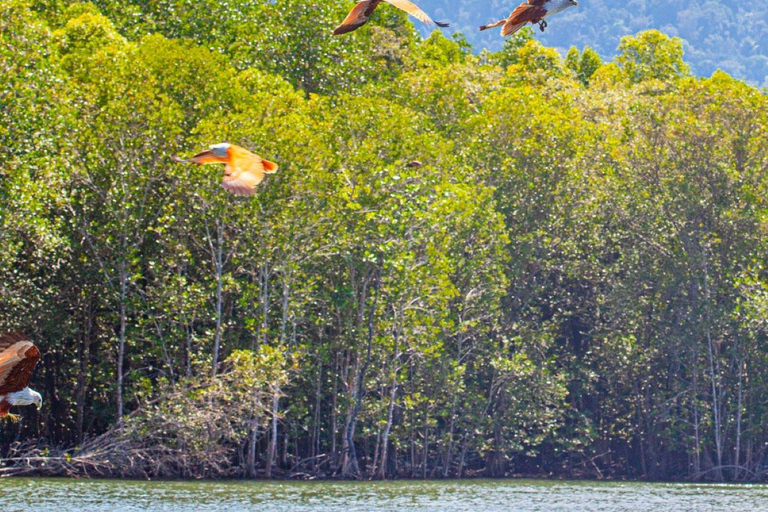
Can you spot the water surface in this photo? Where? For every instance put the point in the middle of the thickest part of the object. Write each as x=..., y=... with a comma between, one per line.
x=60, y=495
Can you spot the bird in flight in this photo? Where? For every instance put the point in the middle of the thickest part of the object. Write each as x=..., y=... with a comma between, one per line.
x=532, y=11
x=361, y=13
x=243, y=170
x=18, y=357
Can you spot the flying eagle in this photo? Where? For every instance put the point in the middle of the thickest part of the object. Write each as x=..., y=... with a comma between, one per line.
x=243, y=170
x=18, y=357
x=361, y=13
x=533, y=11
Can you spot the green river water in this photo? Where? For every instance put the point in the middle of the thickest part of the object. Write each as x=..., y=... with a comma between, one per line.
x=60, y=495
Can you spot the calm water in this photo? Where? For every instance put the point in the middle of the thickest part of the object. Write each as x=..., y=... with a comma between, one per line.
x=39, y=495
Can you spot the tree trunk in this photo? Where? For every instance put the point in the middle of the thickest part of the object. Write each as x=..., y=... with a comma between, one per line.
x=716, y=412
x=382, y=470
x=264, y=293
x=316, y=419
x=250, y=470
x=351, y=467
x=335, y=407
x=121, y=340
x=272, y=448
x=84, y=354
x=219, y=267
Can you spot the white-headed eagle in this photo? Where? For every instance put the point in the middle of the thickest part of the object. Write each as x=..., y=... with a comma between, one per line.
x=243, y=170
x=362, y=11
x=18, y=357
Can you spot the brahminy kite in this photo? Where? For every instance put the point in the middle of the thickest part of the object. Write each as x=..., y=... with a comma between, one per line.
x=361, y=13
x=18, y=357
x=243, y=170
x=533, y=11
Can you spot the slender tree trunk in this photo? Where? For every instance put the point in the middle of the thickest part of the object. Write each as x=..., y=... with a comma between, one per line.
x=425, y=448
x=316, y=419
x=264, y=292
x=252, y=444
x=188, y=349
x=334, y=407
x=463, y=455
x=286, y=302
x=121, y=339
x=716, y=412
x=382, y=470
x=696, y=428
x=352, y=468
x=219, y=266
x=739, y=402
x=452, y=426
x=272, y=448
x=84, y=354
x=377, y=447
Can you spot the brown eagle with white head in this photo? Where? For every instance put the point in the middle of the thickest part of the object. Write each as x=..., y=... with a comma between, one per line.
x=18, y=357
x=243, y=170
x=532, y=11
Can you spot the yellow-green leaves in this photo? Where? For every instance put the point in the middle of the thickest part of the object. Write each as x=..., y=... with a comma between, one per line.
x=652, y=55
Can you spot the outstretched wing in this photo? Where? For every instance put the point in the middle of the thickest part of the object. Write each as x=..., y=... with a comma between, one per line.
x=525, y=13
x=356, y=18
x=204, y=157
x=414, y=11
x=245, y=171
x=18, y=357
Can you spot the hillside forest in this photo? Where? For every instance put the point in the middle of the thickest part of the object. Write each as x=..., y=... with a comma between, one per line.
x=572, y=284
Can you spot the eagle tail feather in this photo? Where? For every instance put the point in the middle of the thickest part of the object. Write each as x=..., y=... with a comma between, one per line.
x=491, y=25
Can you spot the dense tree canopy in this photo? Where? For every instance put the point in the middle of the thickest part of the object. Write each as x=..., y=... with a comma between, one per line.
x=573, y=282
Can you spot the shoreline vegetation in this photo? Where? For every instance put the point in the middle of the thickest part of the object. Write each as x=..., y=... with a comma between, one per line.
x=572, y=283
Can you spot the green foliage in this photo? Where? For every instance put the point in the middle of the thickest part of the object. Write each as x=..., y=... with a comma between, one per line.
x=652, y=55
x=509, y=53
x=584, y=64
x=572, y=281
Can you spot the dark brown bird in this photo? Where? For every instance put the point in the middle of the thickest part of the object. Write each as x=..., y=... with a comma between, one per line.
x=532, y=11
x=243, y=170
x=361, y=13
x=414, y=164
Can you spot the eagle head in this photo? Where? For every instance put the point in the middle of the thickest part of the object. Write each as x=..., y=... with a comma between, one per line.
x=25, y=397
x=37, y=398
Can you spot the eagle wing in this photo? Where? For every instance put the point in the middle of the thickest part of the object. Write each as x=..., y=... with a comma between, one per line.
x=18, y=357
x=245, y=171
x=412, y=9
x=204, y=157
x=525, y=13
x=357, y=17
